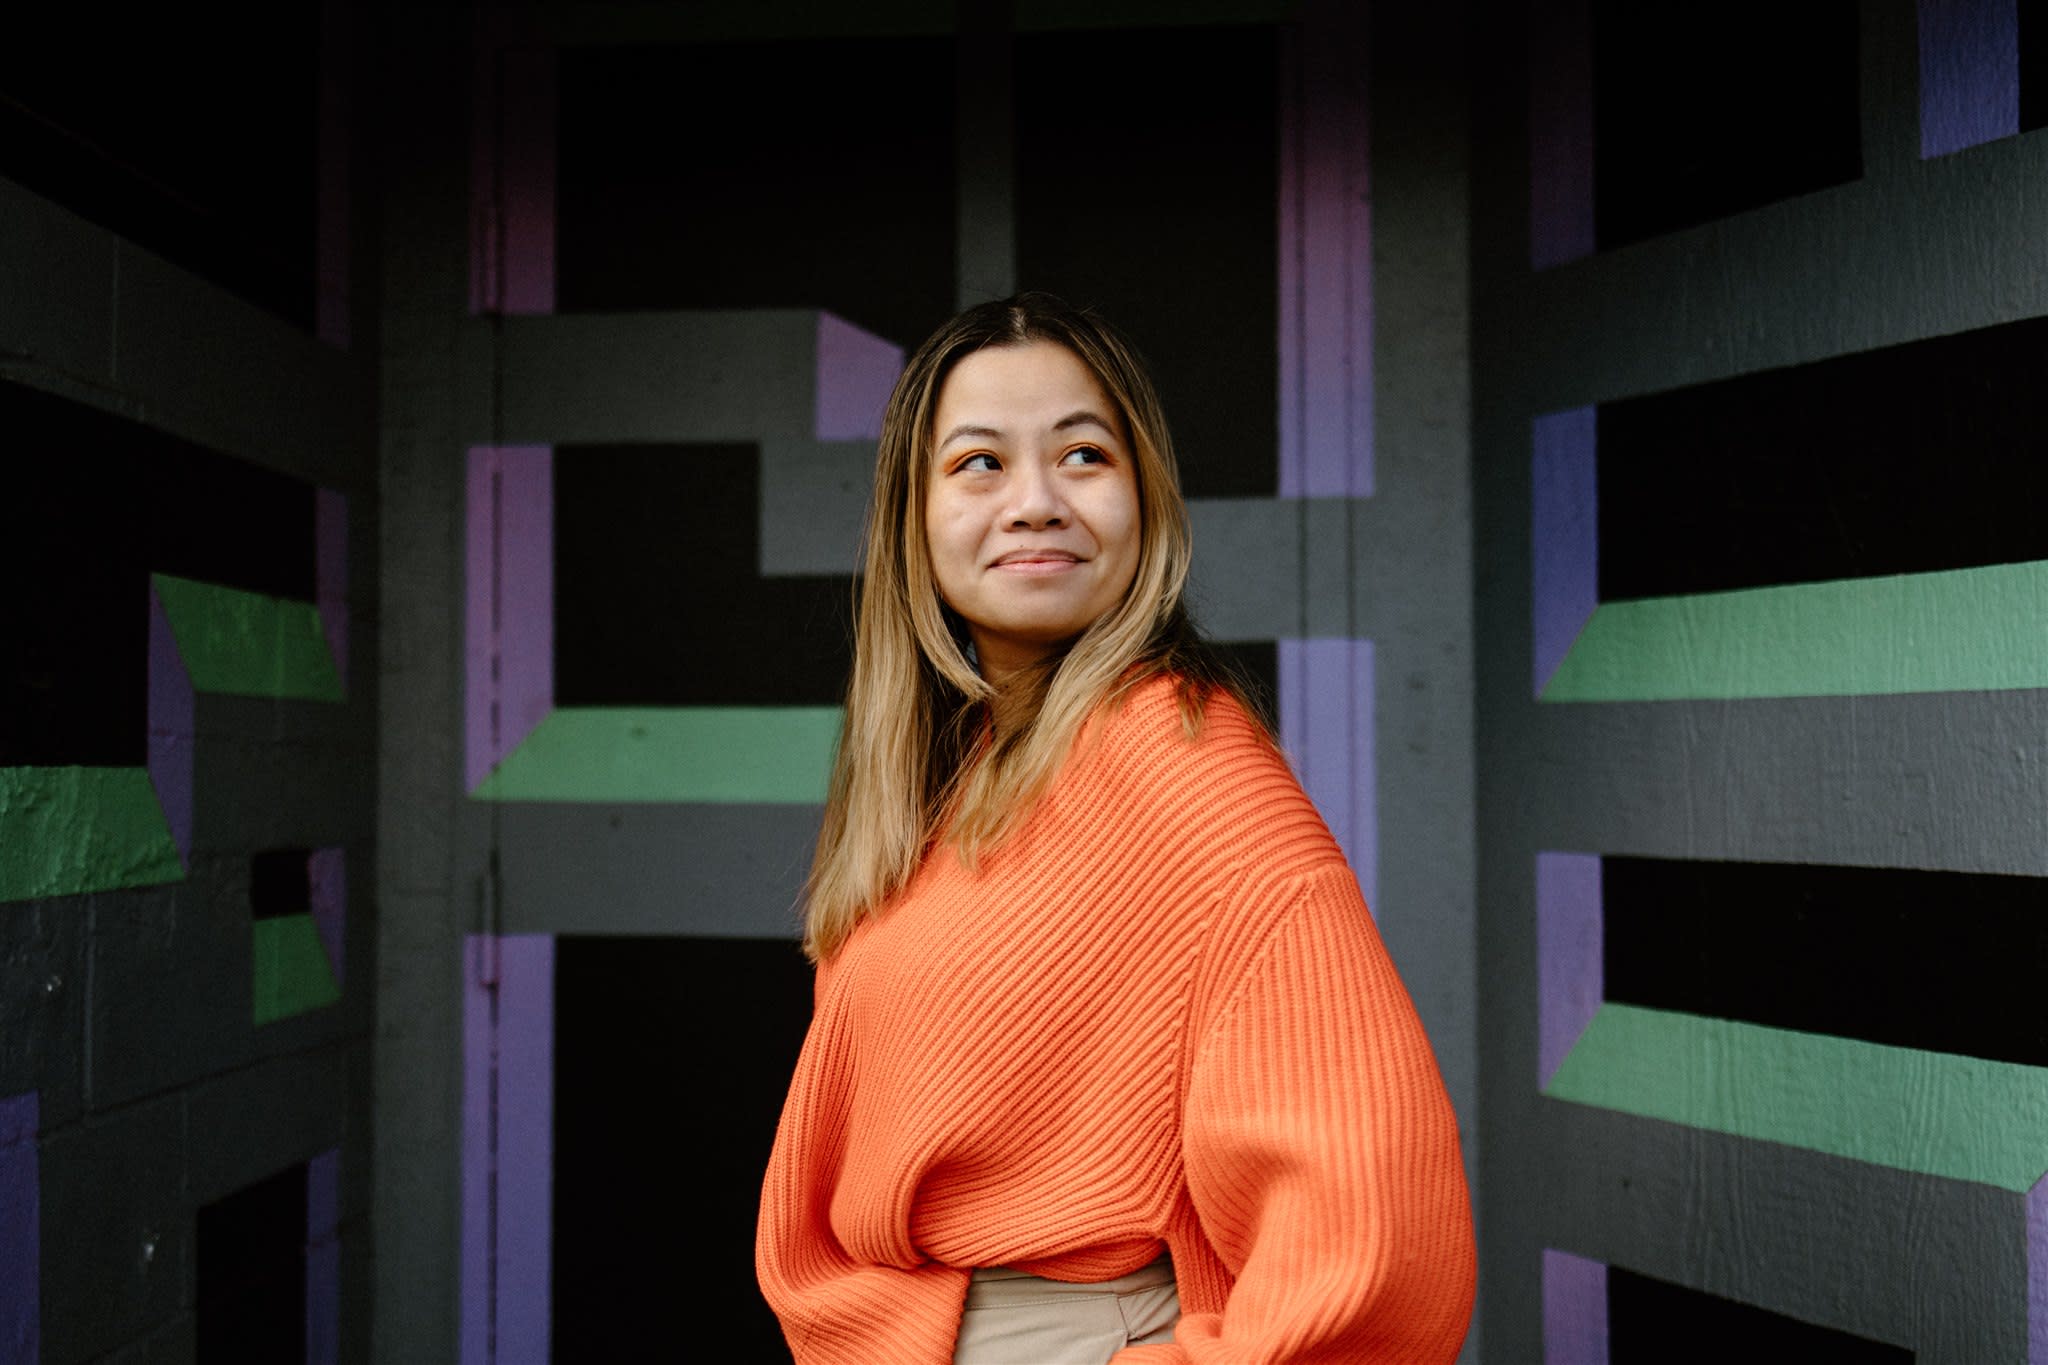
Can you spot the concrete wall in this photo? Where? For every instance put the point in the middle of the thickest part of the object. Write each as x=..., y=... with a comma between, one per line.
x=187, y=930
x=1798, y=731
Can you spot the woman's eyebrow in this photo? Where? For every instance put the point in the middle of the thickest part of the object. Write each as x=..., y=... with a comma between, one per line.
x=967, y=429
x=1083, y=418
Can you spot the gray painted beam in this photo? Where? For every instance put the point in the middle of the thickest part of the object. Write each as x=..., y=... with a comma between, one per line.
x=43, y=991
x=814, y=499
x=258, y=1120
x=702, y=870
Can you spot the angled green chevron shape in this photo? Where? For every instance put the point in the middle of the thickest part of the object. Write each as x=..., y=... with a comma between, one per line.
x=1937, y=1113
x=64, y=831
x=1959, y=630
x=292, y=973
x=772, y=755
x=249, y=644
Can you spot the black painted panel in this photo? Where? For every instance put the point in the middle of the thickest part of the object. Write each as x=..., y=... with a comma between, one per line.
x=1704, y=111
x=1942, y=961
x=2033, y=42
x=251, y=1280
x=280, y=883
x=672, y=1057
x=658, y=601
x=800, y=174
x=1148, y=186
x=1907, y=459
x=90, y=506
x=1654, y=1322
x=191, y=130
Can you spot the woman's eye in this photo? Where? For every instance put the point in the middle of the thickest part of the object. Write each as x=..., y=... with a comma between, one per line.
x=981, y=462
x=1085, y=455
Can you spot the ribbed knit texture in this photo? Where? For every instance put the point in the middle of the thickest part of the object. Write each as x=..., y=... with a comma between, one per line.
x=1159, y=1015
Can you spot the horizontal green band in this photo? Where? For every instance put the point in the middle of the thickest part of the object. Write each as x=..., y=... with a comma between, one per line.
x=1940, y=1114
x=248, y=644
x=292, y=974
x=1960, y=630
x=64, y=831
x=773, y=755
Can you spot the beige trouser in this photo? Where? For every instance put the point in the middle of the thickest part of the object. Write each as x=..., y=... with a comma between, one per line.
x=1017, y=1319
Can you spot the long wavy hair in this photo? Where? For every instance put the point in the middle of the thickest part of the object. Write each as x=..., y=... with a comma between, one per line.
x=929, y=745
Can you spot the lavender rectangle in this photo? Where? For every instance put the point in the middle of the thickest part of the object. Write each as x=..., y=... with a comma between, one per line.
x=20, y=1229
x=1570, y=969
x=508, y=1148
x=856, y=371
x=1969, y=73
x=1325, y=268
x=327, y=875
x=509, y=608
x=323, y=1258
x=1326, y=726
x=171, y=722
x=1564, y=534
x=1574, y=1309
x=330, y=575
x=1560, y=132
x=2037, y=1273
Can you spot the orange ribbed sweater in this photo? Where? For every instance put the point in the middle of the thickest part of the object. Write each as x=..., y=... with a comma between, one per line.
x=1159, y=1014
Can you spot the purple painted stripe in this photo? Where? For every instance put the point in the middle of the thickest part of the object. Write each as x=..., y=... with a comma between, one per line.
x=330, y=575
x=1560, y=132
x=856, y=371
x=479, y=1000
x=1326, y=262
x=1570, y=971
x=508, y=1148
x=1969, y=73
x=509, y=617
x=331, y=212
x=323, y=1258
x=327, y=875
x=1326, y=726
x=171, y=731
x=20, y=1229
x=1564, y=535
x=2037, y=1273
x=1574, y=1309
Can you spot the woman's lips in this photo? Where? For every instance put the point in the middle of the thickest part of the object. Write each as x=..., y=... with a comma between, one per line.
x=1034, y=562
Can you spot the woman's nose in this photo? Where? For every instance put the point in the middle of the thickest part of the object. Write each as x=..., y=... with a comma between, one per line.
x=1036, y=502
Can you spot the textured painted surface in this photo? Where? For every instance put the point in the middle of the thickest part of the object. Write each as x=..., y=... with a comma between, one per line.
x=509, y=617
x=330, y=571
x=323, y=1258
x=1560, y=132
x=327, y=886
x=1564, y=533
x=1969, y=73
x=1574, y=1309
x=1568, y=954
x=1957, y=631
x=770, y=755
x=507, y=1147
x=1960, y=1117
x=1326, y=727
x=512, y=178
x=172, y=707
x=247, y=643
x=292, y=973
x=856, y=370
x=20, y=1230
x=67, y=830
x=1326, y=311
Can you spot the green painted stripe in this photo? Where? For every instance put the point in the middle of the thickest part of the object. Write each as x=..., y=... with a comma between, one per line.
x=68, y=830
x=1961, y=630
x=248, y=644
x=293, y=974
x=778, y=755
x=1940, y=1114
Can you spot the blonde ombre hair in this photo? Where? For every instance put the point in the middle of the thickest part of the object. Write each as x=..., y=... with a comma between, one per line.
x=928, y=743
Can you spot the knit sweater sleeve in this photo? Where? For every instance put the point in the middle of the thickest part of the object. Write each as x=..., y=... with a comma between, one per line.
x=1321, y=1152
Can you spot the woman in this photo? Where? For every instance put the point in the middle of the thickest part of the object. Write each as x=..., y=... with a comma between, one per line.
x=1104, y=1036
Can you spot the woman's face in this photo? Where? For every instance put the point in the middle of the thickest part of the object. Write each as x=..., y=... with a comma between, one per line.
x=1031, y=501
